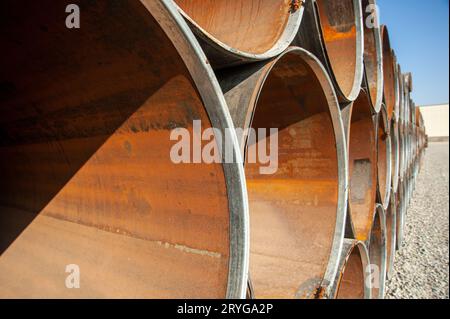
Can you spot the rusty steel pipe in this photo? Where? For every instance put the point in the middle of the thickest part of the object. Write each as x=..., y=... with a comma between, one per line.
x=373, y=56
x=333, y=31
x=85, y=146
x=395, y=153
x=298, y=213
x=384, y=165
x=362, y=157
x=378, y=252
x=388, y=73
x=240, y=31
x=401, y=214
x=352, y=283
x=391, y=234
x=396, y=112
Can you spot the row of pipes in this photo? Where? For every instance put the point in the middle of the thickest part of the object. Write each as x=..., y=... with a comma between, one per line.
x=91, y=204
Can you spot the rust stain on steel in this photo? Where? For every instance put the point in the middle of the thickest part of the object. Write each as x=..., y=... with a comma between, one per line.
x=383, y=154
x=295, y=5
x=388, y=72
x=352, y=277
x=84, y=158
x=337, y=20
x=252, y=26
x=372, y=58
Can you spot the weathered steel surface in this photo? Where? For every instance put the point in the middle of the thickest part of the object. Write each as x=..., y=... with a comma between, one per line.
x=373, y=55
x=333, y=31
x=384, y=158
x=241, y=31
x=389, y=66
x=378, y=252
x=351, y=283
x=391, y=234
x=86, y=172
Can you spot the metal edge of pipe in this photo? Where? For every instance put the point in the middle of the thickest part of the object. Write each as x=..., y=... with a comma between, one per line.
x=380, y=80
x=217, y=50
x=395, y=144
x=190, y=51
x=393, y=235
x=348, y=246
x=380, y=213
x=401, y=213
x=396, y=87
x=384, y=198
x=376, y=105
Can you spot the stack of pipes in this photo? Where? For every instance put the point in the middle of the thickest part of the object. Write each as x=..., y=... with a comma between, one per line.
x=97, y=99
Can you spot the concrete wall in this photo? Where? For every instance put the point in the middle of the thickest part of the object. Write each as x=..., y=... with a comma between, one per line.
x=436, y=118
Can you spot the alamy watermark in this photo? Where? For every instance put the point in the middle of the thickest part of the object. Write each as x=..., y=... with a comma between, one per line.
x=373, y=17
x=213, y=145
x=73, y=279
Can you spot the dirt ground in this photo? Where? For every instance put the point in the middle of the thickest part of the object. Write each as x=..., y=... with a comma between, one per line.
x=422, y=265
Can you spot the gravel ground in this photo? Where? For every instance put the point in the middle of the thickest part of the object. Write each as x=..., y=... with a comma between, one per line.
x=422, y=266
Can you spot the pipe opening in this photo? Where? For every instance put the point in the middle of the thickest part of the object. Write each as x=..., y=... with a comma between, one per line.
x=342, y=33
x=377, y=253
x=352, y=281
x=384, y=157
x=391, y=233
x=389, y=73
x=362, y=166
x=87, y=177
x=294, y=211
x=373, y=61
x=254, y=26
x=395, y=154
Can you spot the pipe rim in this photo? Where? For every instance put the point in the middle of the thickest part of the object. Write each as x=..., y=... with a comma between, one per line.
x=359, y=66
x=289, y=33
x=383, y=120
x=381, y=216
x=396, y=87
x=215, y=105
x=388, y=87
x=395, y=164
x=392, y=211
x=376, y=104
x=349, y=246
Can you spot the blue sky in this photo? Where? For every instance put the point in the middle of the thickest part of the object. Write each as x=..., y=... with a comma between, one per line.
x=419, y=32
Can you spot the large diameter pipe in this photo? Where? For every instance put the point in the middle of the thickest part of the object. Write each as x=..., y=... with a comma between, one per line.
x=388, y=73
x=384, y=164
x=391, y=234
x=378, y=253
x=400, y=93
x=373, y=54
x=87, y=177
x=362, y=156
x=395, y=153
x=352, y=280
x=333, y=31
x=397, y=89
x=401, y=214
x=241, y=31
x=298, y=211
